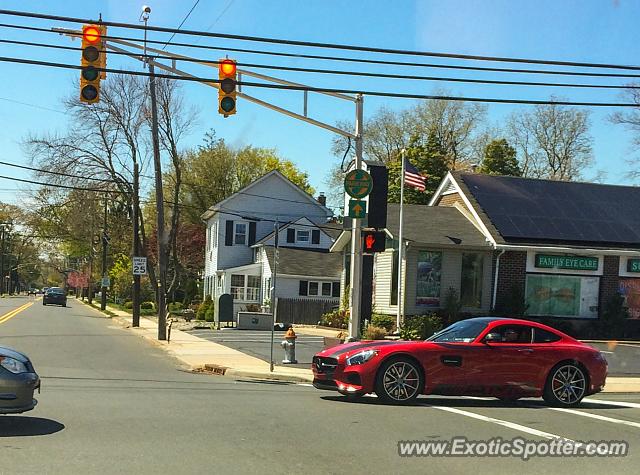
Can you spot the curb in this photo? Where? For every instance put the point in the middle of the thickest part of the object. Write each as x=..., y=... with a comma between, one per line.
x=614, y=342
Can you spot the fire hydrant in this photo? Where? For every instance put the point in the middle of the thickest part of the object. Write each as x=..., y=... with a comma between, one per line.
x=289, y=345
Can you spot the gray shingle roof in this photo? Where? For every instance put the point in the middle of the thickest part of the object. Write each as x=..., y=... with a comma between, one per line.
x=434, y=225
x=307, y=262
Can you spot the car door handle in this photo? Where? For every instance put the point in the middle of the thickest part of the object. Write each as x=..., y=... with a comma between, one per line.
x=525, y=350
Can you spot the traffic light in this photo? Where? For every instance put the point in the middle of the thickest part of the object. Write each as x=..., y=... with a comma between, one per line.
x=373, y=241
x=93, y=58
x=227, y=73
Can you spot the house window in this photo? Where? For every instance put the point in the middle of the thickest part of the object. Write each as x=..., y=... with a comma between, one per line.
x=313, y=288
x=335, y=289
x=241, y=233
x=326, y=289
x=302, y=236
x=471, y=280
x=394, y=277
x=237, y=286
x=428, y=278
x=253, y=287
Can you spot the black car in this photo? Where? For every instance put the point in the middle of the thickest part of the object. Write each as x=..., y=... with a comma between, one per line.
x=55, y=295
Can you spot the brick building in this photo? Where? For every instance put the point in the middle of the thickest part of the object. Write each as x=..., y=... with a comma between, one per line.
x=560, y=249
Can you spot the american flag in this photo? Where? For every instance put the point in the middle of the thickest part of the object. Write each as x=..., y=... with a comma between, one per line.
x=412, y=176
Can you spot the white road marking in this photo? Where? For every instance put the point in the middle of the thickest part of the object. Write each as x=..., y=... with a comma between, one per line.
x=503, y=423
x=308, y=385
x=633, y=405
x=606, y=352
x=597, y=416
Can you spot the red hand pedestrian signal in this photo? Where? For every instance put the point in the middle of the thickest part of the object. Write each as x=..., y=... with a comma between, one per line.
x=373, y=241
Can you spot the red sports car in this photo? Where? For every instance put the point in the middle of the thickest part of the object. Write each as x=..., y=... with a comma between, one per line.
x=485, y=356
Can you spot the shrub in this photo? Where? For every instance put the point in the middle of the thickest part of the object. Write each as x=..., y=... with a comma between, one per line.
x=388, y=322
x=374, y=333
x=614, y=314
x=253, y=307
x=204, y=306
x=147, y=305
x=128, y=304
x=514, y=303
x=209, y=316
x=452, y=306
x=175, y=307
x=335, y=319
x=420, y=327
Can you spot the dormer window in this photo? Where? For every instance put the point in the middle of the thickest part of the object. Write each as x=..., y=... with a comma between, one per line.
x=302, y=236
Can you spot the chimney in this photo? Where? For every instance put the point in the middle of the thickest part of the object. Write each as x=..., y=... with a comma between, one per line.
x=322, y=199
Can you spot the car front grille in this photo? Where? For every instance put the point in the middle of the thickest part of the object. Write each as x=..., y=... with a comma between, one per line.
x=324, y=364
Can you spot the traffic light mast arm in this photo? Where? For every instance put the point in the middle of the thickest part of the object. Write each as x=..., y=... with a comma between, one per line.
x=178, y=72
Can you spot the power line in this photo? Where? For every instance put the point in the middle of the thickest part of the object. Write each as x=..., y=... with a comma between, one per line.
x=310, y=44
x=68, y=187
x=331, y=90
x=30, y=105
x=346, y=73
x=51, y=172
x=354, y=60
x=182, y=23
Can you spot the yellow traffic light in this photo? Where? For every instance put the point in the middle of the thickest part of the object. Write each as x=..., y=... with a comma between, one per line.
x=227, y=73
x=93, y=58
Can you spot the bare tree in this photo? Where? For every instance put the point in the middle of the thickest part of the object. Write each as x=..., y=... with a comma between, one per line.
x=631, y=120
x=553, y=142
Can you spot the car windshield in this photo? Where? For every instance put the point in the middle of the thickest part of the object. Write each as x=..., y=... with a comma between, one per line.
x=464, y=331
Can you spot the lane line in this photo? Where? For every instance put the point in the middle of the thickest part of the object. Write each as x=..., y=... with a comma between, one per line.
x=507, y=424
x=9, y=315
x=597, y=416
x=629, y=405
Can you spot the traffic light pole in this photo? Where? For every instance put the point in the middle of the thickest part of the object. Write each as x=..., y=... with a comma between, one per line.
x=356, y=240
x=162, y=257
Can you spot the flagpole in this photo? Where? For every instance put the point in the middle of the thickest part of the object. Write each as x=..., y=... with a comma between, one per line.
x=400, y=247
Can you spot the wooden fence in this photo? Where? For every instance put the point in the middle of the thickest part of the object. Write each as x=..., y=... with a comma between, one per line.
x=304, y=311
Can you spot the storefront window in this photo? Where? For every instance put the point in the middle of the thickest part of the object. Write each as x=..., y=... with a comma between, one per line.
x=471, y=280
x=562, y=295
x=428, y=278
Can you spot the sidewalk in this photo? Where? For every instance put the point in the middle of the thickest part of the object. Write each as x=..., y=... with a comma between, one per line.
x=198, y=354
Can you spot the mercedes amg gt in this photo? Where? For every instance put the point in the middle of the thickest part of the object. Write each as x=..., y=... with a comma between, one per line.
x=485, y=356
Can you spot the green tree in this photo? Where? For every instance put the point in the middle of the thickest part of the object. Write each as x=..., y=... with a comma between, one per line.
x=500, y=159
x=430, y=159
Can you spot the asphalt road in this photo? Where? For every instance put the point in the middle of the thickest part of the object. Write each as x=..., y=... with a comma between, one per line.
x=113, y=403
x=623, y=358
x=258, y=344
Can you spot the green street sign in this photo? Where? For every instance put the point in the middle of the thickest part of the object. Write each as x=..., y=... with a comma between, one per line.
x=358, y=184
x=550, y=261
x=357, y=209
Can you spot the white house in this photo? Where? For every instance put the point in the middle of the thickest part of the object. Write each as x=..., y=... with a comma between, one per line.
x=240, y=240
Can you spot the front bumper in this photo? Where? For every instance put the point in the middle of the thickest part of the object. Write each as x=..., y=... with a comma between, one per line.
x=16, y=392
x=331, y=375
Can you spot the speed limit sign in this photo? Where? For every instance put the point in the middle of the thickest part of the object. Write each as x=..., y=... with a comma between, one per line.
x=139, y=265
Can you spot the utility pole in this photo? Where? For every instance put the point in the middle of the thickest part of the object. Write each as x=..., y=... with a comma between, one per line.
x=105, y=237
x=136, y=244
x=161, y=233
x=274, y=277
x=356, y=239
x=2, y=237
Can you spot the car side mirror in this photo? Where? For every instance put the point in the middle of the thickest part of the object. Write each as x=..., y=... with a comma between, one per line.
x=492, y=338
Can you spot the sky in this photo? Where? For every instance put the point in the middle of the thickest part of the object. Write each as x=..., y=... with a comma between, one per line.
x=599, y=31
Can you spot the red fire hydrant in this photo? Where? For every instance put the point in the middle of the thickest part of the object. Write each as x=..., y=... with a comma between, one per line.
x=289, y=345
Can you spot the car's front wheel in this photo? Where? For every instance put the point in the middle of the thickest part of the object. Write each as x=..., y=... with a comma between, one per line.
x=566, y=385
x=399, y=381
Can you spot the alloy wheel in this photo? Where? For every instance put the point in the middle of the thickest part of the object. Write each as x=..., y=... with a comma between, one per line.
x=568, y=384
x=401, y=381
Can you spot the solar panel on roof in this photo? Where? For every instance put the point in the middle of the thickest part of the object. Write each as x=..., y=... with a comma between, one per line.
x=551, y=210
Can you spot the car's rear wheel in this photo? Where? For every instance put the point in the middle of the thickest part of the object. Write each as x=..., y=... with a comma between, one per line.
x=399, y=381
x=566, y=385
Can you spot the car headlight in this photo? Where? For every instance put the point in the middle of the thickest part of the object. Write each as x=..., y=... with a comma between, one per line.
x=361, y=357
x=13, y=365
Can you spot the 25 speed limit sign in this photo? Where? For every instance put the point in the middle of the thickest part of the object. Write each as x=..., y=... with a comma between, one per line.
x=139, y=265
